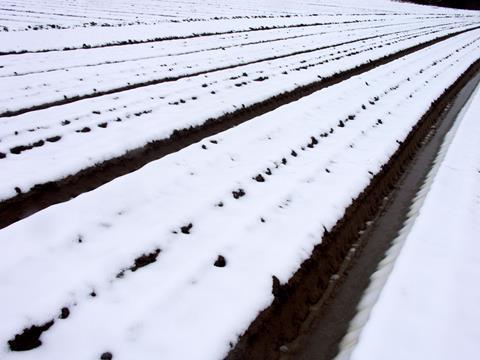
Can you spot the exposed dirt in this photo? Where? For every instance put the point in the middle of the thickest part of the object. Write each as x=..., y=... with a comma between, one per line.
x=282, y=322
x=44, y=195
x=140, y=262
x=106, y=356
x=220, y=262
x=30, y=337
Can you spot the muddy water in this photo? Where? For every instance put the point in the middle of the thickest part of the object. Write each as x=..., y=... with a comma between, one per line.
x=325, y=329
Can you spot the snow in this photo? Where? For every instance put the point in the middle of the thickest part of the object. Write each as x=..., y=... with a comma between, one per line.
x=182, y=306
x=315, y=155
x=428, y=308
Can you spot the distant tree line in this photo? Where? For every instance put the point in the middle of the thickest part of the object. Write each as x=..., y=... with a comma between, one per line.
x=459, y=4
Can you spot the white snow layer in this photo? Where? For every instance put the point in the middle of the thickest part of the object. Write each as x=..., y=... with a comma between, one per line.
x=315, y=155
x=182, y=306
x=428, y=308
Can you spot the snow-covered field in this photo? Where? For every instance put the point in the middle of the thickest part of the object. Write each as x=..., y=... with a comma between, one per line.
x=428, y=308
x=176, y=259
x=18, y=15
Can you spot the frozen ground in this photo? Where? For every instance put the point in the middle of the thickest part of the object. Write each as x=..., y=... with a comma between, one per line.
x=428, y=308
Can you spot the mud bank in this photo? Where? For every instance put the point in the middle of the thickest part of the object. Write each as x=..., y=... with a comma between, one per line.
x=310, y=314
x=44, y=195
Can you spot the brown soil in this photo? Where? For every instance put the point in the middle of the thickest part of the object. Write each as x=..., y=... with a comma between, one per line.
x=44, y=195
x=140, y=262
x=30, y=337
x=282, y=321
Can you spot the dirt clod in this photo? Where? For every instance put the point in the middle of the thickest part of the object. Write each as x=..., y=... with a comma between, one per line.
x=238, y=194
x=220, y=262
x=277, y=290
x=30, y=337
x=145, y=259
x=313, y=142
x=186, y=229
x=54, y=138
x=106, y=356
x=64, y=313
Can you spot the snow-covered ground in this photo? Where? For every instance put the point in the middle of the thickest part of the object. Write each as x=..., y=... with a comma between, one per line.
x=260, y=195
x=428, y=308
x=49, y=15
x=176, y=259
